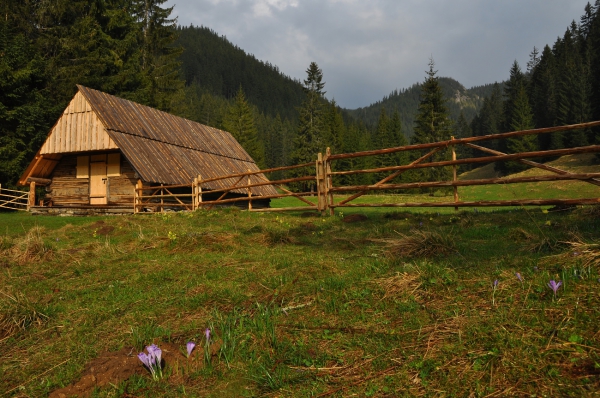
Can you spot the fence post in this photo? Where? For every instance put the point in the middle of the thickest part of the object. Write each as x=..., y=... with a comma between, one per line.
x=194, y=194
x=454, y=178
x=136, y=194
x=249, y=192
x=328, y=181
x=31, y=201
x=320, y=183
x=199, y=191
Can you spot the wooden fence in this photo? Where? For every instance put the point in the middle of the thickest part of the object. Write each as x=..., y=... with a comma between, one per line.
x=320, y=175
x=15, y=200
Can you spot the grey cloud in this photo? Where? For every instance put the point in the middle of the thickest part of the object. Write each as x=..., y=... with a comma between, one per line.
x=369, y=48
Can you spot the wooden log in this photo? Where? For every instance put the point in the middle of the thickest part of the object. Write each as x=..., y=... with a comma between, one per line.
x=392, y=176
x=227, y=191
x=31, y=201
x=199, y=189
x=530, y=163
x=283, y=168
x=466, y=183
x=249, y=192
x=328, y=180
x=258, y=184
x=454, y=176
x=489, y=203
x=233, y=200
x=319, y=182
x=282, y=209
x=444, y=144
x=487, y=159
x=39, y=181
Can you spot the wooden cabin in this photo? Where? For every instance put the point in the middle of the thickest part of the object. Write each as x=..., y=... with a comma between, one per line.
x=102, y=146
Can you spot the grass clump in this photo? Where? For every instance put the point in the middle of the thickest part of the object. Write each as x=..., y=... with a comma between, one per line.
x=31, y=247
x=421, y=244
x=18, y=313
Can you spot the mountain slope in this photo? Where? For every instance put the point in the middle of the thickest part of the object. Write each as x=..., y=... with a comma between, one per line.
x=220, y=67
x=406, y=101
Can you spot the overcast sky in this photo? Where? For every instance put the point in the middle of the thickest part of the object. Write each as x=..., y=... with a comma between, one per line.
x=368, y=48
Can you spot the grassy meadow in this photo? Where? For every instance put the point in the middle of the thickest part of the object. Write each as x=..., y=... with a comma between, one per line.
x=368, y=303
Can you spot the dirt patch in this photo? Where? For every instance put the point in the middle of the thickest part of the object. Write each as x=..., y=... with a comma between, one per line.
x=105, y=230
x=310, y=214
x=115, y=367
x=97, y=224
x=355, y=218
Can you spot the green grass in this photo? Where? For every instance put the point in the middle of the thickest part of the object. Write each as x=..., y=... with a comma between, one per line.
x=301, y=306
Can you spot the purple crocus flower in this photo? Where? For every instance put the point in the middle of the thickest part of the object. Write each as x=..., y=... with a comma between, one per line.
x=554, y=286
x=207, y=334
x=190, y=347
x=145, y=360
x=155, y=353
x=495, y=283
x=519, y=277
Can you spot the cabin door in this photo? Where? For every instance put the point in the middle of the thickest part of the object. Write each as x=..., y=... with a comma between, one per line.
x=98, y=185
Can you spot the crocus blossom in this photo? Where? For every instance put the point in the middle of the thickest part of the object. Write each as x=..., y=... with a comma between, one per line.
x=554, y=286
x=519, y=277
x=207, y=334
x=190, y=347
x=152, y=361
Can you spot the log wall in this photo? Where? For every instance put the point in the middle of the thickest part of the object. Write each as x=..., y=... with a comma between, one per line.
x=68, y=190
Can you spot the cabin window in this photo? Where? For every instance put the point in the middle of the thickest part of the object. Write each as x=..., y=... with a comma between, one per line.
x=83, y=167
x=114, y=165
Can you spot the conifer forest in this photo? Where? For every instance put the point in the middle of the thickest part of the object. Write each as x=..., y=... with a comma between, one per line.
x=135, y=50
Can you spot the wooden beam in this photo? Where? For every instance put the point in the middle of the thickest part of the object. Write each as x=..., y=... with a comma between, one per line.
x=39, y=181
x=529, y=162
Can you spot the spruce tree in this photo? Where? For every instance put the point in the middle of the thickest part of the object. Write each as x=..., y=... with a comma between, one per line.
x=309, y=139
x=432, y=124
x=239, y=121
x=159, y=58
x=517, y=117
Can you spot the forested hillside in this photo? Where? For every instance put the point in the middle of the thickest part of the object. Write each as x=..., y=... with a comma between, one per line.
x=135, y=50
x=406, y=102
x=560, y=85
x=220, y=68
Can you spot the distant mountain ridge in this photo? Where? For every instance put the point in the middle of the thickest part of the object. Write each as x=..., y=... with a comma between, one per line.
x=220, y=67
x=406, y=101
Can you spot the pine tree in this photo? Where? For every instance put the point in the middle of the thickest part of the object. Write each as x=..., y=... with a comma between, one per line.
x=239, y=121
x=159, y=57
x=432, y=124
x=517, y=117
x=309, y=140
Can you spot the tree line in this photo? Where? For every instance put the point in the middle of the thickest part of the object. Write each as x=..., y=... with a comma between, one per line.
x=560, y=85
x=135, y=50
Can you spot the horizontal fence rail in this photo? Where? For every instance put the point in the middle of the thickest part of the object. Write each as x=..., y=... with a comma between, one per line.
x=319, y=176
x=14, y=200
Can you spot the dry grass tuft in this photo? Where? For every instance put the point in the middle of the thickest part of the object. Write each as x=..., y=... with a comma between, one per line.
x=31, y=247
x=532, y=242
x=17, y=313
x=585, y=255
x=420, y=244
x=399, y=285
